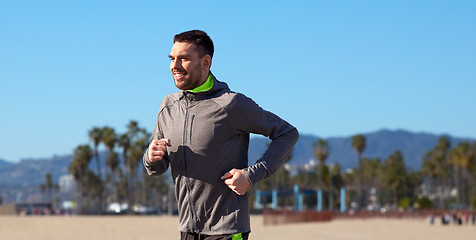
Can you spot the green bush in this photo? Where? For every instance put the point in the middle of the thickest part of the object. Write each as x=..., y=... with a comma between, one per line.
x=425, y=203
x=404, y=203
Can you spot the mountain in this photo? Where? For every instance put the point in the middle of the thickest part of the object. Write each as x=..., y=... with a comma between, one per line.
x=4, y=162
x=32, y=169
x=380, y=144
x=19, y=181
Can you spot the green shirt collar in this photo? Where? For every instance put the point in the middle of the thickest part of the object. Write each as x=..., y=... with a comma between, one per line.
x=204, y=87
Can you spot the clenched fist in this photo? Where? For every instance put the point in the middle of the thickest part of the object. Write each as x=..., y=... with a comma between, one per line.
x=237, y=181
x=157, y=149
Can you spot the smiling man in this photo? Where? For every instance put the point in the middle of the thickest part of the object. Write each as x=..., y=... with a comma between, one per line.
x=203, y=133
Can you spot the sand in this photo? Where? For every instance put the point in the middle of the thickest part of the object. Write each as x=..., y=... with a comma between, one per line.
x=165, y=227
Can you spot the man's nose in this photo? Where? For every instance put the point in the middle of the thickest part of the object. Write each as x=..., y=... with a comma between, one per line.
x=175, y=64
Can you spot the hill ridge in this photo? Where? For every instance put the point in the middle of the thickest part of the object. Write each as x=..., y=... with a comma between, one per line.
x=25, y=176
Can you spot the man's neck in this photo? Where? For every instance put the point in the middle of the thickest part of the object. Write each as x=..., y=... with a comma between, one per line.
x=207, y=85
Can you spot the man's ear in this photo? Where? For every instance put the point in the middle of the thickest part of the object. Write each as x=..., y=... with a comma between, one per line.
x=207, y=61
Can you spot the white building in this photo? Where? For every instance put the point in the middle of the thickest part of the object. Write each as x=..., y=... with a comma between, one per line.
x=67, y=184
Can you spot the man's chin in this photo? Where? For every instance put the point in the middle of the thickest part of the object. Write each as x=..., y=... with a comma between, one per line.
x=181, y=86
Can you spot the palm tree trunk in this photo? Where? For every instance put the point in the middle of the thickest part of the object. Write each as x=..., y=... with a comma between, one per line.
x=135, y=191
x=98, y=166
x=460, y=186
x=395, y=197
x=439, y=189
x=361, y=187
x=467, y=187
x=79, y=193
x=96, y=156
x=471, y=191
x=331, y=201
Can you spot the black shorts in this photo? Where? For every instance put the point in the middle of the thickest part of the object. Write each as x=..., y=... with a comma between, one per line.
x=196, y=236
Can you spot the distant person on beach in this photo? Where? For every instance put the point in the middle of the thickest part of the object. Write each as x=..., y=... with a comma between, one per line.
x=445, y=219
x=203, y=133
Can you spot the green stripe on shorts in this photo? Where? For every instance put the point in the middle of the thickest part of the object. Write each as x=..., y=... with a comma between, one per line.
x=236, y=236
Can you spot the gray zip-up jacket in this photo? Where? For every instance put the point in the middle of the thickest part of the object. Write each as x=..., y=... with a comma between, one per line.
x=209, y=133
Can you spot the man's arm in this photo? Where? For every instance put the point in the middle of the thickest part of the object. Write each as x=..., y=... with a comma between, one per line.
x=248, y=117
x=155, y=158
x=275, y=156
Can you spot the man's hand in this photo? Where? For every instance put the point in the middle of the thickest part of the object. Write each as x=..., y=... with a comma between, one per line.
x=157, y=149
x=237, y=181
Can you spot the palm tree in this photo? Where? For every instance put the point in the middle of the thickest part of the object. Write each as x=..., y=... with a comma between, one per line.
x=443, y=166
x=42, y=190
x=462, y=160
x=57, y=189
x=134, y=159
x=430, y=170
x=49, y=185
x=81, y=157
x=359, y=144
x=95, y=135
x=109, y=139
x=395, y=174
x=350, y=178
x=132, y=129
x=437, y=167
x=125, y=143
x=282, y=175
x=336, y=182
x=321, y=152
x=112, y=161
x=371, y=175
x=472, y=170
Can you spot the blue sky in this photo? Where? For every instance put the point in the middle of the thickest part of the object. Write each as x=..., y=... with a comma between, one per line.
x=331, y=68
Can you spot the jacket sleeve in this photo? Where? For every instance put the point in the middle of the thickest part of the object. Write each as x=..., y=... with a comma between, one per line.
x=158, y=167
x=248, y=117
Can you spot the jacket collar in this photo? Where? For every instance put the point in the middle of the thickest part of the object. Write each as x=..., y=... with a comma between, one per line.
x=217, y=86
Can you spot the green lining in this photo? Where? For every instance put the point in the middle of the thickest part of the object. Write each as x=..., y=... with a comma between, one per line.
x=236, y=236
x=204, y=87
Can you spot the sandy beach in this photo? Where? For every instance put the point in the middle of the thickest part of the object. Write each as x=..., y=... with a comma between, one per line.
x=165, y=227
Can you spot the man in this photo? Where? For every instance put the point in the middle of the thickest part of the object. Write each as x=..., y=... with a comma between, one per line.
x=203, y=132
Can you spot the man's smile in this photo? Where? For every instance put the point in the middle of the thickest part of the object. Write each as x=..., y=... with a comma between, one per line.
x=179, y=75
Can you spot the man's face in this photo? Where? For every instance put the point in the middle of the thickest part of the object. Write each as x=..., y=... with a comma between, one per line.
x=188, y=69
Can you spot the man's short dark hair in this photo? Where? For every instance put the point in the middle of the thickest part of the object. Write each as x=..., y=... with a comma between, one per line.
x=199, y=38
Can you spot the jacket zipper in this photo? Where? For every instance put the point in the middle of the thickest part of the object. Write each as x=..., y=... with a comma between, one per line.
x=187, y=180
x=190, y=132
